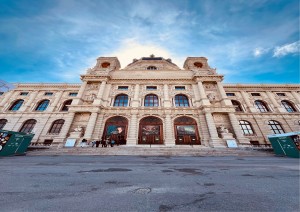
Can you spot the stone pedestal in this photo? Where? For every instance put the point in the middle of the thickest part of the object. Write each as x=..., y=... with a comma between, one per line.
x=77, y=136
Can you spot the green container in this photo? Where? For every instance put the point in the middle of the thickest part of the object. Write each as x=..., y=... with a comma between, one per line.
x=286, y=144
x=14, y=143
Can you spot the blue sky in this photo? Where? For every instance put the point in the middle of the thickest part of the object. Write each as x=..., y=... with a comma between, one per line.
x=253, y=41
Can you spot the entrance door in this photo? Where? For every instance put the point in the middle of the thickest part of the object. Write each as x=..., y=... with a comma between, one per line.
x=116, y=129
x=150, y=131
x=186, y=131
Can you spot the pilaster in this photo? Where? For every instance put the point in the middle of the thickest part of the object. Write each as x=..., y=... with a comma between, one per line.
x=250, y=107
x=274, y=102
x=167, y=102
x=215, y=141
x=56, y=100
x=225, y=100
x=90, y=126
x=237, y=130
x=135, y=101
x=132, y=135
x=99, y=99
x=203, y=98
x=169, y=138
x=78, y=99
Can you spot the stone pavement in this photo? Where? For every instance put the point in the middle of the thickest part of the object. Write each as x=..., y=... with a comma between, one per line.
x=153, y=151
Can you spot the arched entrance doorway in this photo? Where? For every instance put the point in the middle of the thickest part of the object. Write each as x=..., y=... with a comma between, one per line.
x=186, y=131
x=116, y=129
x=151, y=131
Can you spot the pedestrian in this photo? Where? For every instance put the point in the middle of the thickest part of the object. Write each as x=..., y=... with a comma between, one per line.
x=103, y=142
x=94, y=143
x=97, y=143
x=83, y=142
x=112, y=143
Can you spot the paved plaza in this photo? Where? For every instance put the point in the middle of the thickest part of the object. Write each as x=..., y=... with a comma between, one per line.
x=149, y=183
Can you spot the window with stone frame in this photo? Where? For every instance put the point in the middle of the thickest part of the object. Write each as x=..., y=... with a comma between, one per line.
x=66, y=105
x=261, y=106
x=237, y=106
x=288, y=106
x=181, y=101
x=2, y=123
x=16, y=105
x=151, y=100
x=42, y=106
x=275, y=127
x=56, y=126
x=121, y=100
x=28, y=126
x=246, y=127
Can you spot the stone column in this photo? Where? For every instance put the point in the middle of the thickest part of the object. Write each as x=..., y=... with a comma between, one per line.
x=170, y=140
x=167, y=102
x=197, y=96
x=203, y=97
x=56, y=100
x=6, y=98
x=274, y=102
x=237, y=129
x=30, y=101
x=135, y=101
x=225, y=100
x=90, y=126
x=133, y=128
x=250, y=107
x=66, y=127
x=296, y=96
x=98, y=101
x=215, y=141
x=77, y=100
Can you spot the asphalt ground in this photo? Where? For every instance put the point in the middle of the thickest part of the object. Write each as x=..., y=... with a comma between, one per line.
x=146, y=183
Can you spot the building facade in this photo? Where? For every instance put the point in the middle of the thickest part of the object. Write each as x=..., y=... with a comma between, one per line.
x=151, y=101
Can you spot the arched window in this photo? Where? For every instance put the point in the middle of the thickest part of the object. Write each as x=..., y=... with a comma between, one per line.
x=28, y=126
x=261, y=106
x=288, y=106
x=56, y=126
x=246, y=127
x=42, y=105
x=151, y=100
x=66, y=104
x=181, y=101
x=151, y=68
x=121, y=101
x=275, y=127
x=237, y=106
x=16, y=106
x=2, y=123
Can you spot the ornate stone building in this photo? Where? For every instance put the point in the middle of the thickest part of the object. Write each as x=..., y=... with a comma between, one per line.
x=151, y=101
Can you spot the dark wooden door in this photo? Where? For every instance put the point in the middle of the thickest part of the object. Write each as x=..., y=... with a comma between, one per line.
x=150, y=131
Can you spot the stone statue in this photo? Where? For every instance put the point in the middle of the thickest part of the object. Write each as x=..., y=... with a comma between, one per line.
x=211, y=97
x=78, y=129
x=223, y=129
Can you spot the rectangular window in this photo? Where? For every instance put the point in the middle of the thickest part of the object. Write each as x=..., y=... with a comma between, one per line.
x=255, y=94
x=48, y=94
x=123, y=88
x=151, y=87
x=179, y=87
x=23, y=93
x=72, y=94
x=1, y=93
x=280, y=94
x=230, y=94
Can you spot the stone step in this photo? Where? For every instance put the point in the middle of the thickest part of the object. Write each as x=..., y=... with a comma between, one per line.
x=155, y=151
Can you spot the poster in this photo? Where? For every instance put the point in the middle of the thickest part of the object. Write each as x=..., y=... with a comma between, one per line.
x=150, y=130
x=115, y=130
x=186, y=130
x=4, y=137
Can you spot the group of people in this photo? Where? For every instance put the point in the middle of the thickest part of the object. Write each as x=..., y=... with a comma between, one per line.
x=104, y=142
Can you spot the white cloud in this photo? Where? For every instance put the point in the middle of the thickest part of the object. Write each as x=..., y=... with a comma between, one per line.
x=132, y=49
x=291, y=48
x=259, y=51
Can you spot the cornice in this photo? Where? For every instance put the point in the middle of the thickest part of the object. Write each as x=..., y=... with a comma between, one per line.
x=225, y=85
x=46, y=85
